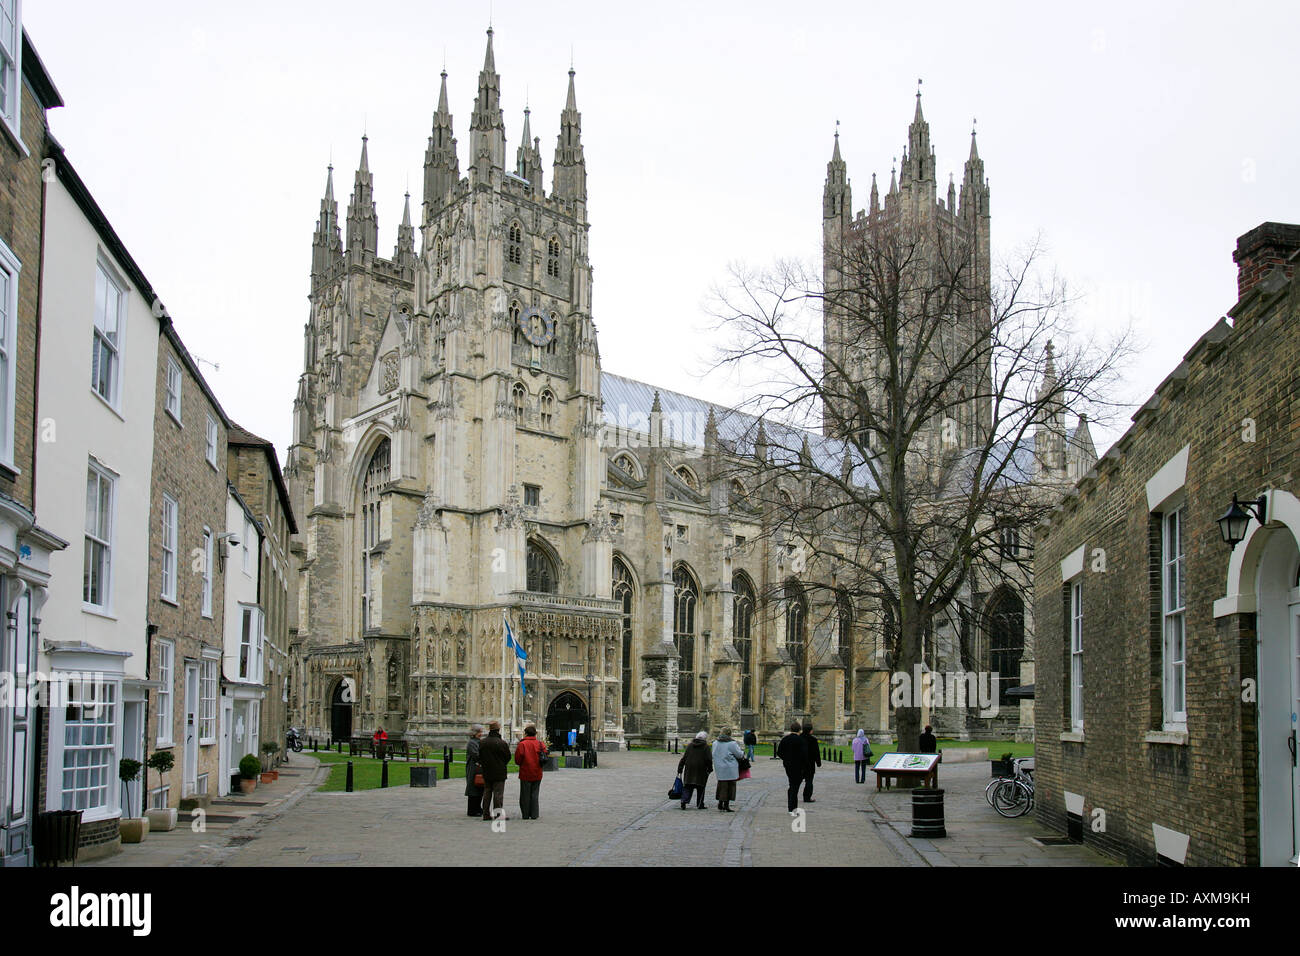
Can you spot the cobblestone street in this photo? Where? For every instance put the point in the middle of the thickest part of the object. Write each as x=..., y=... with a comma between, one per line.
x=617, y=815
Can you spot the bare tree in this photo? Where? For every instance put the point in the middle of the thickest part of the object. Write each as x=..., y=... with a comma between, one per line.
x=939, y=392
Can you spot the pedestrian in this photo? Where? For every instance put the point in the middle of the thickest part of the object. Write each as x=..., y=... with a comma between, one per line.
x=793, y=756
x=861, y=756
x=473, y=790
x=927, y=743
x=493, y=756
x=529, y=754
x=695, y=766
x=380, y=741
x=726, y=757
x=751, y=741
x=814, y=761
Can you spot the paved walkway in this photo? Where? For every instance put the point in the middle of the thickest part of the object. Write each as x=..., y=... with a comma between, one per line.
x=618, y=814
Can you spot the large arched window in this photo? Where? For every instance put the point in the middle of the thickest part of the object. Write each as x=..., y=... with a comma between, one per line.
x=378, y=473
x=686, y=595
x=515, y=243
x=688, y=478
x=1006, y=640
x=742, y=622
x=844, y=634
x=541, y=570
x=624, y=592
x=796, y=640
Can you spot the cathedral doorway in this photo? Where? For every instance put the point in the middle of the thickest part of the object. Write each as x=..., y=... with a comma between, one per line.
x=341, y=711
x=567, y=712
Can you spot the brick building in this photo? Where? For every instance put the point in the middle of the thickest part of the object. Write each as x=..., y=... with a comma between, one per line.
x=26, y=93
x=1167, y=682
x=186, y=595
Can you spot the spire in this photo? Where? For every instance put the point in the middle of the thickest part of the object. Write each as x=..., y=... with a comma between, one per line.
x=363, y=223
x=918, y=159
x=528, y=158
x=570, y=174
x=487, y=128
x=974, y=185
x=326, y=244
x=404, y=254
x=837, y=199
x=952, y=194
x=875, y=195
x=441, y=167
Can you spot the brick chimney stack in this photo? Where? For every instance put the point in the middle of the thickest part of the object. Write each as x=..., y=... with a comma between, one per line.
x=1268, y=247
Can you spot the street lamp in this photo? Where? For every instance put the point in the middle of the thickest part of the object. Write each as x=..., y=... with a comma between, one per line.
x=1234, y=521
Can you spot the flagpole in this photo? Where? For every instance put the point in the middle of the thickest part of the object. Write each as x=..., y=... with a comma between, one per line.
x=503, y=666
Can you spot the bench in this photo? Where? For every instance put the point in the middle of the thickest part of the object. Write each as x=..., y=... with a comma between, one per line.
x=390, y=748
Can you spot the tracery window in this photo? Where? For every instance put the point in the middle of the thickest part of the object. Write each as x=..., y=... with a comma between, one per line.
x=844, y=633
x=516, y=336
x=378, y=473
x=518, y=395
x=624, y=592
x=687, y=478
x=742, y=620
x=553, y=256
x=515, y=244
x=686, y=595
x=540, y=570
x=547, y=407
x=796, y=641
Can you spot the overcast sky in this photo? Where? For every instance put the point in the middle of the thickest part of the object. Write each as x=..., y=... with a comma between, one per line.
x=1139, y=139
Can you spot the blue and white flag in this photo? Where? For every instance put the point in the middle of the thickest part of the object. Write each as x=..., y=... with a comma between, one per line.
x=520, y=654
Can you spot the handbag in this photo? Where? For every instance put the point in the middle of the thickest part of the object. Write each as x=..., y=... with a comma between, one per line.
x=478, y=780
x=676, y=792
x=743, y=765
x=744, y=773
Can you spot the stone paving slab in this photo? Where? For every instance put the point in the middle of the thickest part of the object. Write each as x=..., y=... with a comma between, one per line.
x=616, y=815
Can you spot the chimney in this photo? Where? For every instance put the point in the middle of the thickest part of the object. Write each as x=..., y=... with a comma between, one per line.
x=1266, y=248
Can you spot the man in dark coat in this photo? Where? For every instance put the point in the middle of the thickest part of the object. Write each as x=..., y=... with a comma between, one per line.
x=493, y=757
x=814, y=751
x=927, y=743
x=695, y=766
x=794, y=757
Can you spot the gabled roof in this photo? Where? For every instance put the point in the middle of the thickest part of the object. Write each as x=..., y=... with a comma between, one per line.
x=237, y=435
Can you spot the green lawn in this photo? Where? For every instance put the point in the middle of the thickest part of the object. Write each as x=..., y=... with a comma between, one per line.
x=366, y=771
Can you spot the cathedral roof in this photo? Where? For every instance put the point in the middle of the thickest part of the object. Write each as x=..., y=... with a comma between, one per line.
x=627, y=404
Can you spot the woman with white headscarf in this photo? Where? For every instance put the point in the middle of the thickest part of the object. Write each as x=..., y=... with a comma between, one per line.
x=861, y=756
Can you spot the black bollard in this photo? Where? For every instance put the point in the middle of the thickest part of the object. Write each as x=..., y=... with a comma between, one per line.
x=668, y=745
x=383, y=774
x=446, y=763
x=348, y=787
x=340, y=746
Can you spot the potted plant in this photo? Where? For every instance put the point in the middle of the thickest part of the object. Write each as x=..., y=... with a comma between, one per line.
x=161, y=818
x=269, y=773
x=133, y=829
x=249, y=768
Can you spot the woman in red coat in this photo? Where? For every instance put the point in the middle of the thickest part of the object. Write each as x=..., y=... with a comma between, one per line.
x=529, y=755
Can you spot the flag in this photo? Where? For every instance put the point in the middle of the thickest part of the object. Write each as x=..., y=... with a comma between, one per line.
x=510, y=639
x=520, y=654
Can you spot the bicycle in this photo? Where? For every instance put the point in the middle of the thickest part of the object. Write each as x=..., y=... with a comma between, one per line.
x=1013, y=796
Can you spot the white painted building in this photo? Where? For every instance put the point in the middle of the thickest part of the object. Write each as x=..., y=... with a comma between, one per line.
x=238, y=552
x=98, y=361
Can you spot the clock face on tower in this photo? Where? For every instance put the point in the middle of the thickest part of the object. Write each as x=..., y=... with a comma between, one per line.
x=537, y=326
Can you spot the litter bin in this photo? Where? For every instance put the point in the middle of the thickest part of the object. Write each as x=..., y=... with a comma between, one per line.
x=927, y=813
x=424, y=776
x=54, y=836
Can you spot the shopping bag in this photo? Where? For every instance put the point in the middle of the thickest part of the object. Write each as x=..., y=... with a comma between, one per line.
x=676, y=792
x=744, y=774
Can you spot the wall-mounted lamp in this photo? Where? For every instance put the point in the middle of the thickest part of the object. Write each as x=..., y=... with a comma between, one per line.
x=1234, y=521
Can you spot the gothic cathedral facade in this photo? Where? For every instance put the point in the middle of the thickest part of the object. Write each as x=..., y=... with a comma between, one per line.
x=460, y=459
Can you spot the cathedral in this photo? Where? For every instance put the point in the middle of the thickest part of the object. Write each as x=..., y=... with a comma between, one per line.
x=460, y=460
